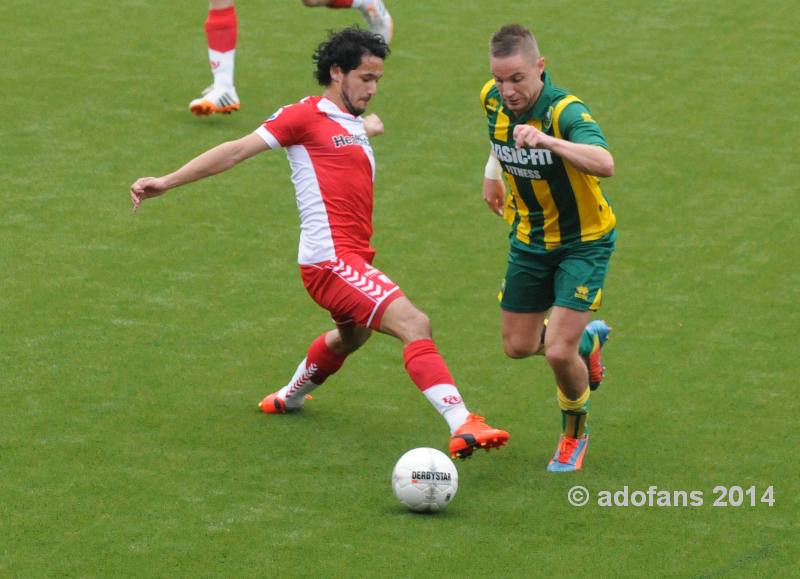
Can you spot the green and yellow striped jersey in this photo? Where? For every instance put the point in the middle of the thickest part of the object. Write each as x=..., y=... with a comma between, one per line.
x=551, y=202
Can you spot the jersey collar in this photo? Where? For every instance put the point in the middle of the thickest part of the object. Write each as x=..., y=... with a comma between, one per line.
x=326, y=105
x=542, y=104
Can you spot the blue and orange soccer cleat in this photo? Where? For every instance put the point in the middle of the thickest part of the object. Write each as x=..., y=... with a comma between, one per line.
x=599, y=332
x=569, y=454
x=274, y=404
x=475, y=433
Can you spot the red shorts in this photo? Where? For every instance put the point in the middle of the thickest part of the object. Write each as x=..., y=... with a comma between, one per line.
x=350, y=289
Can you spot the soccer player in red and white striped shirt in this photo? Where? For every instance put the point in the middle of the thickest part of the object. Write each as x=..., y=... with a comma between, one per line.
x=333, y=169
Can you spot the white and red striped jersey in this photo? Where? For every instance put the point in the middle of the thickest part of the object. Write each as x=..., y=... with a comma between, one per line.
x=333, y=169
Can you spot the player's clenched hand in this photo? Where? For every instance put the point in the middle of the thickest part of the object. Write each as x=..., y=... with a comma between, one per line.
x=146, y=187
x=528, y=135
x=494, y=193
x=373, y=125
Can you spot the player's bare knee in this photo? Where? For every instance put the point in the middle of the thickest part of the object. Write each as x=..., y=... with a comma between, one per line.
x=415, y=325
x=404, y=321
x=518, y=350
x=519, y=346
x=420, y=324
x=559, y=356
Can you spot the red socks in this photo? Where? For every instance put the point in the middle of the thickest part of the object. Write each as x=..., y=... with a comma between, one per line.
x=422, y=359
x=321, y=361
x=425, y=365
x=221, y=27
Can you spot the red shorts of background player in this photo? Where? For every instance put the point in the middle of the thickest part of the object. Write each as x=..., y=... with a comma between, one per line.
x=350, y=289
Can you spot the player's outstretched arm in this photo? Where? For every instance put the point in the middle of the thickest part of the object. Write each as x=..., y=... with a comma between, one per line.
x=216, y=160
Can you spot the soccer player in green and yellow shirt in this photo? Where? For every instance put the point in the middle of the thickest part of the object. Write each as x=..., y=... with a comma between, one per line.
x=552, y=153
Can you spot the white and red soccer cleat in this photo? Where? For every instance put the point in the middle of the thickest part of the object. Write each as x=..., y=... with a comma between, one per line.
x=215, y=99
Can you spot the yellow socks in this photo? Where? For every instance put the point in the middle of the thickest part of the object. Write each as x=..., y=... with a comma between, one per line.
x=574, y=413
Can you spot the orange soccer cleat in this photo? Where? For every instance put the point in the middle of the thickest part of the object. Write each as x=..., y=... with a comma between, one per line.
x=274, y=404
x=475, y=433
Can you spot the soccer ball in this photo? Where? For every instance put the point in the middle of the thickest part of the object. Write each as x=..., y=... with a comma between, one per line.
x=425, y=480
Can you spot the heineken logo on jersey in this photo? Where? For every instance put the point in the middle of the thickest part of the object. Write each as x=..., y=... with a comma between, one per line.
x=345, y=140
x=548, y=120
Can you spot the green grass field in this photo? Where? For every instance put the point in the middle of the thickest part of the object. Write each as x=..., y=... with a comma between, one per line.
x=134, y=348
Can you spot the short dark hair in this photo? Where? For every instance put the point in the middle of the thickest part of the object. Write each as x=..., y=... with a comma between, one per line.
x=513, y=39
x=346, y=49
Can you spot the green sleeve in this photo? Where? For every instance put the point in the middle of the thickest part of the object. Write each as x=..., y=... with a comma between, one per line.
x=577, y=125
